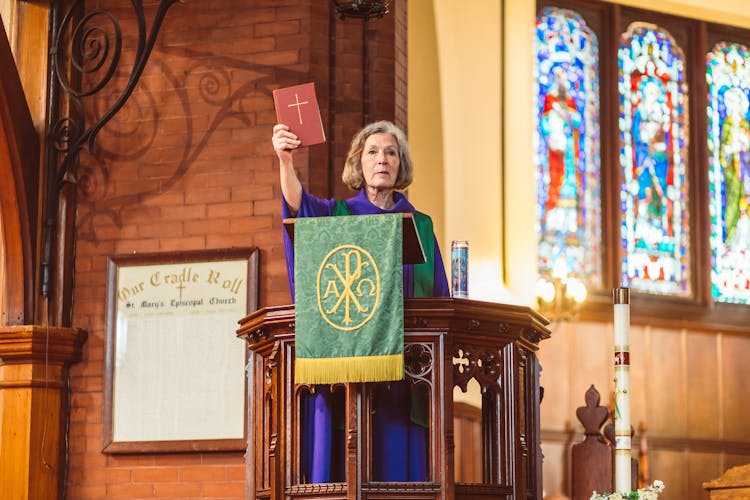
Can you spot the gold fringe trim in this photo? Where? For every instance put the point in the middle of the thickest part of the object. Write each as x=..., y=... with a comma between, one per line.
x=350, y=369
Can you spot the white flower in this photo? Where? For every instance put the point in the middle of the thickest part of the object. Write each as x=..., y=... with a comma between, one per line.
x=650, y=492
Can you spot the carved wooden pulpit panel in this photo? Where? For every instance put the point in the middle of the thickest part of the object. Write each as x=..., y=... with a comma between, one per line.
x=448, y=342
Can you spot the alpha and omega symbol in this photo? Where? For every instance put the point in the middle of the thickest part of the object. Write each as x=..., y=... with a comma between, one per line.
x=348, y=287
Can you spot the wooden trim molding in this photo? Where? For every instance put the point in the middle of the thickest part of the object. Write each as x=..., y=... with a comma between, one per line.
x=34, y=364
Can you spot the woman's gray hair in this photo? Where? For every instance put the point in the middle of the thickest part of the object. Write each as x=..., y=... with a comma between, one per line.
x=352, y=175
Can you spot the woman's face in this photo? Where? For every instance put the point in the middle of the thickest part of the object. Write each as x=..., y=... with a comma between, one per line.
x=380, y=161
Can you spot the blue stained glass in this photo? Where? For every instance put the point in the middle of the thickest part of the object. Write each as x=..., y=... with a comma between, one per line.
x=566, y=149
x=728, y=77
x=653, y=160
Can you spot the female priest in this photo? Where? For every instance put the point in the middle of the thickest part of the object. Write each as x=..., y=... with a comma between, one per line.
x=378, y=166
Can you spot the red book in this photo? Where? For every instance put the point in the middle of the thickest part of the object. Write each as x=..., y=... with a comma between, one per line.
x=297, y=108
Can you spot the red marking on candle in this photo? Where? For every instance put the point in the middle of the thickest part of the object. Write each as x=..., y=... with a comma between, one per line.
x=622, y=358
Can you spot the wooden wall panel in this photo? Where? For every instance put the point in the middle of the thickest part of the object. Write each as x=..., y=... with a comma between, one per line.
x=30, y=48
x=640, y=357
x=666, y=388
x=671, y=468
x=591, y=363
x=730, y=460
x=703, y=417
x=8, y=14
x=735, y=388
x=699, y=467
x=556, y=467
x=554, y=358
x=467, y=432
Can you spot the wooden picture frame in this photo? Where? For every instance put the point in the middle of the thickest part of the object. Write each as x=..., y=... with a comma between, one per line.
x=174, y=370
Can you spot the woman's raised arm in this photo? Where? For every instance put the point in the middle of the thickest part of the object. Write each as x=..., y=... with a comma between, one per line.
x=284, y=142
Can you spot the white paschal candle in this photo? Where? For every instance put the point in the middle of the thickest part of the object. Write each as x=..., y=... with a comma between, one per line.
x=621, y=299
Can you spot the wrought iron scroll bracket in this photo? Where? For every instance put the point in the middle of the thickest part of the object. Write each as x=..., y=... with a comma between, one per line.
x=92, y=52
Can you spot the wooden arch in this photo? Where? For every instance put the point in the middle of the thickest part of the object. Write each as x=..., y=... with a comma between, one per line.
x=19, y=189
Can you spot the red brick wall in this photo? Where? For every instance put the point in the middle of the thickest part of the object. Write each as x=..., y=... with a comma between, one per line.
x=354, y=105
x=187, y=165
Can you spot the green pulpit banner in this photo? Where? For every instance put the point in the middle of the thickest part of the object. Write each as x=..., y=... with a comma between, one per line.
x=349, y=299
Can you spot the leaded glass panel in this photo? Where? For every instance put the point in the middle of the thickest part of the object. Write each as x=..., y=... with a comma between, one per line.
x=567, y=146
x=728, y=78
x=653, y=124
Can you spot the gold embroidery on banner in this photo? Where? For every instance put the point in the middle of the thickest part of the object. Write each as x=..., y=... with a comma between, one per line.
x=348, y=283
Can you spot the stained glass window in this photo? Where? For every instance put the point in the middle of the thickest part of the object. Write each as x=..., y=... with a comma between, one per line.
x=653, y=158
x=728, y=77
x=567, y=146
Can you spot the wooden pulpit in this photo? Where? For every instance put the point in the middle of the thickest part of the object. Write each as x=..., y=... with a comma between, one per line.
x=448, y=342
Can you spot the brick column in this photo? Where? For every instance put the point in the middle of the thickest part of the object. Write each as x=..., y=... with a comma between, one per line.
x=34, y=362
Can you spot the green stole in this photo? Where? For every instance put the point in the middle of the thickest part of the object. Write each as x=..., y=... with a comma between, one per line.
x=424, y=274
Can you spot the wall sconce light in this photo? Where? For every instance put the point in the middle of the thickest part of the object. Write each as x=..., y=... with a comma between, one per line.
x=363, y=9
x=561, y=298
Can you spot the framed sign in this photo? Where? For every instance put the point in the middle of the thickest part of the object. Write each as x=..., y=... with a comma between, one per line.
x=174, y=369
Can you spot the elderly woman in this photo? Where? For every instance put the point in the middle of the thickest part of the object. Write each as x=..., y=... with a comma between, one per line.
x=378, y=166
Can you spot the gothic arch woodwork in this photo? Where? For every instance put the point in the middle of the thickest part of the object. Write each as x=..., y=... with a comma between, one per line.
x=19, y=162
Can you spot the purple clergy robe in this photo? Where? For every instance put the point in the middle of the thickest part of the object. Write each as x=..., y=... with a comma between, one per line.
x=400, y=446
